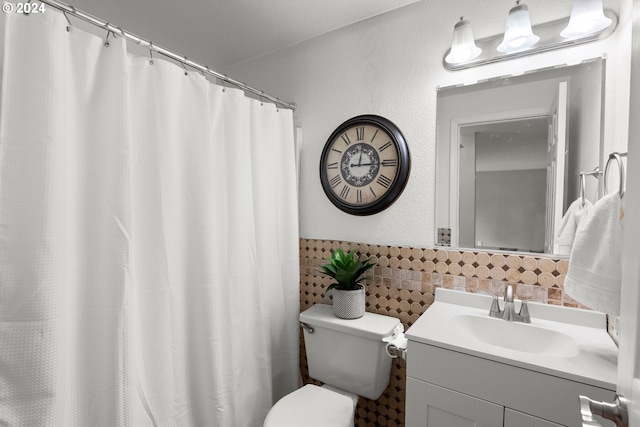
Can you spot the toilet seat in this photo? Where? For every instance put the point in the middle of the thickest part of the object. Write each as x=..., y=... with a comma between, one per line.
x=312, y=406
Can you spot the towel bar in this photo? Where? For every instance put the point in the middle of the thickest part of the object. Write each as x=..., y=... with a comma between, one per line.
x=618, y=158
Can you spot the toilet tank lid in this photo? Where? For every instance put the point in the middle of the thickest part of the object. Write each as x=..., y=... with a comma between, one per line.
x=371, y=325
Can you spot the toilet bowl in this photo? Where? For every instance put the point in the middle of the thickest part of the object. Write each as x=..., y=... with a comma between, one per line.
x=313, y=406
x=349, y=357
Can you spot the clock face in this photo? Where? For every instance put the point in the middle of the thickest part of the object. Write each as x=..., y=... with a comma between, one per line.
x=364, y=165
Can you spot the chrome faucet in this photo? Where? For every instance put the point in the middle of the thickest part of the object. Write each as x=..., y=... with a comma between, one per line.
x=509, y=313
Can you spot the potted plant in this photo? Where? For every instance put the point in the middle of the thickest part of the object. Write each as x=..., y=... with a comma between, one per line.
x=348, y=293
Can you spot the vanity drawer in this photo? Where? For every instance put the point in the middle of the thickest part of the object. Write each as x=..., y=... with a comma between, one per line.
x=534, y=393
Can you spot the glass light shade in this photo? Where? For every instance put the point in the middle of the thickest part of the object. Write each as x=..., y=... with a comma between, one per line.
x=463, y=45
x=587, y=17
x=518, y=34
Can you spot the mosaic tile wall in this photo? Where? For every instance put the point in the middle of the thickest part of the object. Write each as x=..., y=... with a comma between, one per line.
x=403, y=286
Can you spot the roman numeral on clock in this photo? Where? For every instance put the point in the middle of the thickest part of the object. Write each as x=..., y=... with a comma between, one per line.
x=346, y=139
x=358, y=196
x=390, y=162
x=360, y=133
x=335, y=181
x=345, y=191
x=385, y=146
x=333, y=165
x=384, y=181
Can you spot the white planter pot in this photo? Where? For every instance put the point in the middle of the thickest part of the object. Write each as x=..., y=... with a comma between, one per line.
x=349, y=304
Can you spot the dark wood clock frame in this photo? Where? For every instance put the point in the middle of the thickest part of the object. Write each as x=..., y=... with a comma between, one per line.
x=399, y=180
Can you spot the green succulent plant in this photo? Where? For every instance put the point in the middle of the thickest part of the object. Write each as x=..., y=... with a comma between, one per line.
x=346, y=269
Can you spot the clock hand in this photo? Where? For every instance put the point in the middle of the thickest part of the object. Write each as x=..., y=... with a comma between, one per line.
x=360, y=164
x=360, y=159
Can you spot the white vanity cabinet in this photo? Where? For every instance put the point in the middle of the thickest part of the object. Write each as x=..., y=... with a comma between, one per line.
x=456, y=379
x=447, y=388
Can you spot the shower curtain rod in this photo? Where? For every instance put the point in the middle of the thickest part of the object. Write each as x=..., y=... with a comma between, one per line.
x=68, y=9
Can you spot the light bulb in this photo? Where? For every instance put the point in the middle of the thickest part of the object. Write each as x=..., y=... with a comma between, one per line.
x=463, y=45
x=518, y=35
x=587, y=17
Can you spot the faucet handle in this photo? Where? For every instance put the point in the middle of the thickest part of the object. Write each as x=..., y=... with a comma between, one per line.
x=494, y=311
x=524, y=310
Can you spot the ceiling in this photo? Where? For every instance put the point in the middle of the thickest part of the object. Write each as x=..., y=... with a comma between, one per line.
x=220, y=33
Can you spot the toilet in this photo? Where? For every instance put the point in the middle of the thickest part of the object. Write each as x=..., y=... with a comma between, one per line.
x=349, y=357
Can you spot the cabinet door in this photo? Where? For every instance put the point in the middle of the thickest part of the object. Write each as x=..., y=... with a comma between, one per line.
x=432, y=406
x=518, y=419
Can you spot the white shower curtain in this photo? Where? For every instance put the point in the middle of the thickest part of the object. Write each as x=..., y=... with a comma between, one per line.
x=148, y=239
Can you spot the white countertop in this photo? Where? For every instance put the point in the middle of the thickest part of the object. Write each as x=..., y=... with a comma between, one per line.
x=591, y=357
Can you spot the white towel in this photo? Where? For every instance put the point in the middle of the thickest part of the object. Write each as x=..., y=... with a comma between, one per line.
x=595, y=269
x=567, y=230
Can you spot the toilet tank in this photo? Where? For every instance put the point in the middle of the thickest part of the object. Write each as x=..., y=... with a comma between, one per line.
x=349, y=354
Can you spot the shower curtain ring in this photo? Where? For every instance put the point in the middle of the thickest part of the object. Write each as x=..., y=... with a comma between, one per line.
x=64, y=12
x=186, y=73
x=106, y=40
x=224, y=84
x=261, y=98
x=151, y=52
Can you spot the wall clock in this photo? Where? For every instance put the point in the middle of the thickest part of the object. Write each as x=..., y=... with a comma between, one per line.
x=365, y=165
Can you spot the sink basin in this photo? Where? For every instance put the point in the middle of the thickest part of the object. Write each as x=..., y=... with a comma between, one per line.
x=515, y=336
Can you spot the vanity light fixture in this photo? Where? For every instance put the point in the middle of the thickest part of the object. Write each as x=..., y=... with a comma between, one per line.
x=587, y=17
x=588, y=22
x=518, y=34
x=463, y=45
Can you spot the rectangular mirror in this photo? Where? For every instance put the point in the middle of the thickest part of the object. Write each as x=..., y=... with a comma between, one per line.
x=509, y=154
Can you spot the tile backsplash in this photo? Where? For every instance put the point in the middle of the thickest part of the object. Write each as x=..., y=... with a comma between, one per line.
x=403, y=286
